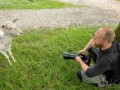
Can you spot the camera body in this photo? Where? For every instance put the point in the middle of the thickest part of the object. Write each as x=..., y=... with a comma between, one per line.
x=69, y=56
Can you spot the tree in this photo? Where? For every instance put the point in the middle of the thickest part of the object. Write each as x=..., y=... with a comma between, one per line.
x=117, y=33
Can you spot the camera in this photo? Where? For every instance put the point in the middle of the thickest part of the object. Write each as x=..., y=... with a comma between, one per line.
x=70, y=56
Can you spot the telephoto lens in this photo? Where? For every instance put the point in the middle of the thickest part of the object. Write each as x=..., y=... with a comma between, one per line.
x=69, y=56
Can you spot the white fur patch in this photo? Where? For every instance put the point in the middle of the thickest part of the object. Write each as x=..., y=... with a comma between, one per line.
x=1, y=33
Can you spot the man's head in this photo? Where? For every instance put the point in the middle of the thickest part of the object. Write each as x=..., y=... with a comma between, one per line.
x=103, y=37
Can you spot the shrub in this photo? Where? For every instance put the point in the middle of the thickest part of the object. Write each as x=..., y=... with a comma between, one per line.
x=117, y=33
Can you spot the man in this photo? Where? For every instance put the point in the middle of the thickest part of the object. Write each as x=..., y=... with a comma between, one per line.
x=107, y=64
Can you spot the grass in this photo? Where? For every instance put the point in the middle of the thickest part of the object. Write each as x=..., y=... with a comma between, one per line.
x=40, y=64
x=118, y=0
x=33, y=4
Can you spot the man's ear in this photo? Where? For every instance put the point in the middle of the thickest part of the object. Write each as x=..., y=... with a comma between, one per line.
x=14, y=21
x=106, y=42
x=3, y=26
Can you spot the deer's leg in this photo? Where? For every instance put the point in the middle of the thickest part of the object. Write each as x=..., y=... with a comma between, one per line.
x=5, y=54
x=10, y=53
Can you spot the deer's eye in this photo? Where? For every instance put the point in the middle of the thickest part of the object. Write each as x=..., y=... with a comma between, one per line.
x=10, y=28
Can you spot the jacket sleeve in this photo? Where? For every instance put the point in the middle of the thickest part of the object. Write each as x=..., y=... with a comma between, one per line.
x=99, y=68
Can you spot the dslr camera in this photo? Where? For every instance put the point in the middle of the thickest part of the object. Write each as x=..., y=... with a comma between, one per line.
x=70, y=56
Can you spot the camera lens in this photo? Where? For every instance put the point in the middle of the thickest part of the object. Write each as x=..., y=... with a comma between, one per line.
x=67, y=55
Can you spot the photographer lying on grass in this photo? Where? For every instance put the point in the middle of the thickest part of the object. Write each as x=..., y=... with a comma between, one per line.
x=102, y=49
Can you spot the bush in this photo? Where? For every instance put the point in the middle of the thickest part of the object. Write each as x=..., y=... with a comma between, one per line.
x=117, y=33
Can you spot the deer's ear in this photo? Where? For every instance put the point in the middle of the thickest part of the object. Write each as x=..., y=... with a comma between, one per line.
x=14, y=21
x=3, y=26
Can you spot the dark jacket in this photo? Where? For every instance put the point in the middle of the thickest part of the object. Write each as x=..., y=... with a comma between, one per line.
x=108, y=63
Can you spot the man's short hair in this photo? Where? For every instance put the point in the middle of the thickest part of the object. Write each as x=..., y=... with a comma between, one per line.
x=109, y=34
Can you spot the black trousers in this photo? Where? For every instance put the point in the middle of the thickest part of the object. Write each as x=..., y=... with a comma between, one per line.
x=93, y=52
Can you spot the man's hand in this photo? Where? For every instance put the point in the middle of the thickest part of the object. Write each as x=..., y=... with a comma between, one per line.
x=82, y=52
x=83, y=65
x=78, y=59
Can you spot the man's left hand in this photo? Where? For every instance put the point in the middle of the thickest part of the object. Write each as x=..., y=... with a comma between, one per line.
x=78, y=59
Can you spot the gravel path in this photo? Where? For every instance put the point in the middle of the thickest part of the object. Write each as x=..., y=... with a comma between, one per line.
x=103, y=4
x=96, y=13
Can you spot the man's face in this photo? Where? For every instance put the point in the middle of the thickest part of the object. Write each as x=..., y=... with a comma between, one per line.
x=98, y=39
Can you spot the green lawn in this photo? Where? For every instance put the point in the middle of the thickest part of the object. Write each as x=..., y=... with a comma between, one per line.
x=40, y=64
x=118, y=0
x=33, y=4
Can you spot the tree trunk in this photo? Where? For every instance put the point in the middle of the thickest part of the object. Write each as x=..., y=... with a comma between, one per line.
x=117, y=33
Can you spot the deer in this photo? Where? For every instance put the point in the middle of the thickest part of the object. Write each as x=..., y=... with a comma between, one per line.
x=10, y=29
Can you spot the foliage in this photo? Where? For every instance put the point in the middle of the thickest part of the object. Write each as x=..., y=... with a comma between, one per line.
x=117, y=33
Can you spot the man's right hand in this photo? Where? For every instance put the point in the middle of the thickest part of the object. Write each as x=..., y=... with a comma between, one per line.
x=82, y=52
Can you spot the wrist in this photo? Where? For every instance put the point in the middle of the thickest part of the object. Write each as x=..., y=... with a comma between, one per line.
x=85, y=50
x=80, y=60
